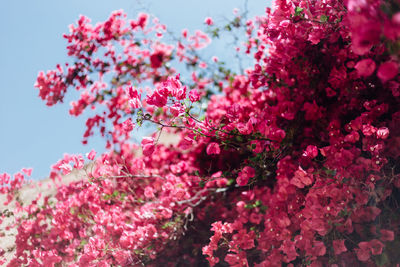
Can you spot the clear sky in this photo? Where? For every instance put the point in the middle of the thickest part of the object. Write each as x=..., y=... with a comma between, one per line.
x=34, y=135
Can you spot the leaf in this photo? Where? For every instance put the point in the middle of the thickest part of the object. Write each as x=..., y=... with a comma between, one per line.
x=166, y=225
x=263, y=209
x=249, y=206
x=324, y=18
x=202, y=183
x=298, y=10
x=382, y=260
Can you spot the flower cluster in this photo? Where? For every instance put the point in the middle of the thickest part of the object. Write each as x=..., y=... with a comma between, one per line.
x=294, y=161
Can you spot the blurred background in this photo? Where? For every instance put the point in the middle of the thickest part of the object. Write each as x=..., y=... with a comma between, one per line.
x=34, y=135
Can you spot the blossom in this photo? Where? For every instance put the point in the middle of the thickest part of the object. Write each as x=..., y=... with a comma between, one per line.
x=382, y=133
x=387, y=235
x=66, y=168
x=213, y=149
x=149, y=192
x=388, y=71
x=209, y=21
x=313, y=111
x=128, y=125
x=338, y=246
x=194, y=96
x=301, y=178
x=311, y=90
x=156, y=59
x=311, y=152
x=27, y=171
x=148, y=146
x=363, y=252
x=365, y=67
x=289, y=248
x=244, y=176
x=91, y=155
x=376, y=247
x=78, y=161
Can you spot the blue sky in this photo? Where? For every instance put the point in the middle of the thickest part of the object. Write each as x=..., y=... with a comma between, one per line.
x=34, y=135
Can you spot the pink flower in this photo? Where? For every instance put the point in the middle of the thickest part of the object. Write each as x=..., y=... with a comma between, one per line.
x=134, y=100
x=184, y=33
x=319, y=249
x=239, y=259
x=176, y=87
x=66, y=168
x=156, y=59
x=91, y=155
x=149, y=192
x=142, y=20
x=289, y=248
x=368, y=129
x=365, y=34
x=148, y=146
x=194, y=96
x=209, y=21
x=79, y=162
x=338, y=246
x=313, y=111
x=330, y=92
x=159, y=98
x=388, y=70
x=213, y=149
x=382, y=133
x=244, y=176
x=301, y=178
x=128, y=125
x=376, y=246
x=363, y=252
x=166, y=213
x=387, y=235
x=27, y=171
x=365, y=67
x=311, y=152
x=122, y=257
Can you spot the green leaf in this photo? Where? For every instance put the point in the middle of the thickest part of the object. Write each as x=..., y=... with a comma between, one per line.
x=166, y=225
x=215, y=33
x=263, y=209
x=123, y=195
x=202, y=183
x=324, y=18
x=298, y=10
x=249, y=206
x=339, y=19
x=382, y=260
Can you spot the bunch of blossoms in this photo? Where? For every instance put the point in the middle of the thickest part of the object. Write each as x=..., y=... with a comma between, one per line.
x=329, y=80
x=295, y=163
x=129, y=208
